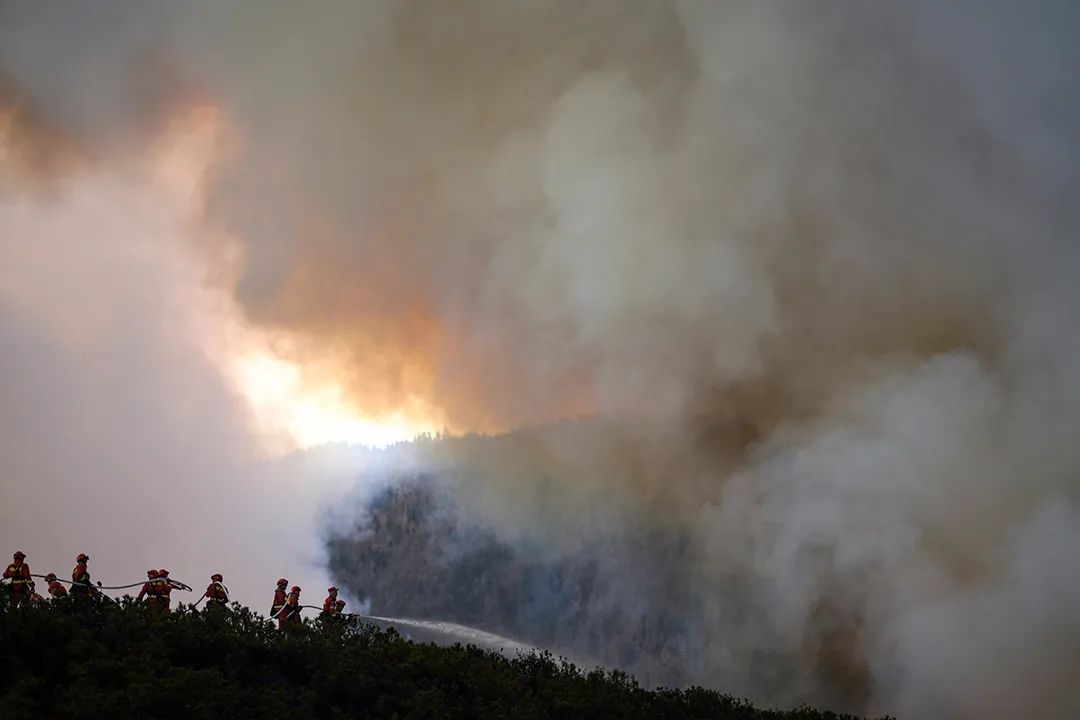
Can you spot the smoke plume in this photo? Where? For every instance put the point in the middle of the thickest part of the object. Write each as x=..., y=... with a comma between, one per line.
x=810, y=269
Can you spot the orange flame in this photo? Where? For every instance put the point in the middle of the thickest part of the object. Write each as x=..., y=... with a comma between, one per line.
x=295, y=401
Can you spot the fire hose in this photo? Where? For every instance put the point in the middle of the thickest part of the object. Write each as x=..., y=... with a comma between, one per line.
x=340, y=614
x=316, y=607
x=199, y=601
x=302, y=607
x=96, y=588
x=175, y=584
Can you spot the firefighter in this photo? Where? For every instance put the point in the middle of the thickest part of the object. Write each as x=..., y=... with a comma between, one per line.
x=163, y=589
x=18, y=573
x=217, y=596
x=279, y=602
x=329, y=605
x=56, y=589
x=292, y=608
x=148, y=592
x=80, y=577
x=34, y=598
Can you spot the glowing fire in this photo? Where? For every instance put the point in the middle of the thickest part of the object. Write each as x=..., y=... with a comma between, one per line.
x=285, y=398
x=154, y=208
x=312, y=416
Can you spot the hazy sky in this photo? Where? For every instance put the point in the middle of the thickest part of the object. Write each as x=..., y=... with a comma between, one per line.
x=124, y=436
x=820, y=257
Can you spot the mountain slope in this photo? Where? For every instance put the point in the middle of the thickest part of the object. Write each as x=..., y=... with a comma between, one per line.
x=105, y=661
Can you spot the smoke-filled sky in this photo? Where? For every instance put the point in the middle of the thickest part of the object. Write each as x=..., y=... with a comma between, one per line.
x=817, y=260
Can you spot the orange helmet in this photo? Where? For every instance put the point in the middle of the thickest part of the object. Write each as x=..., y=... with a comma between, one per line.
x=19, y=555
x=216, y=577
x=83, y=557
x=295, y=589
x=282, y=581
x=50, y=577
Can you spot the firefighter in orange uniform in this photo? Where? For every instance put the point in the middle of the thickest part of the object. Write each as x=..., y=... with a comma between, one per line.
x=292, y=607
x=148, y=592
x=329, y=605
x=35, y=598
x=18, y=572
x=56, y=589
x=163, y=589
x=80, y=577
x=216, y=595
x=277, y=609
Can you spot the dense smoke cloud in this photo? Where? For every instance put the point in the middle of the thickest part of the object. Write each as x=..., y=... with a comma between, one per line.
x=816, y=261
x=120, y=437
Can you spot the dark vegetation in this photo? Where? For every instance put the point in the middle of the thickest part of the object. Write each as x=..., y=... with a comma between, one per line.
x=630, y=598
x=418, y=553
x=103, y=660
x=605, y=578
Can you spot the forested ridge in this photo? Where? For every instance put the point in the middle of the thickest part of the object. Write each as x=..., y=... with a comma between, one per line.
x=103, y=660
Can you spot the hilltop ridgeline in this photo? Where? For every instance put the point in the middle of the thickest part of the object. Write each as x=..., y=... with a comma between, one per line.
x=97, y=660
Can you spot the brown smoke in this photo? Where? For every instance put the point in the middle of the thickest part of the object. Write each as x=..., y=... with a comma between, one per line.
x=816, y=261
x=33, y=150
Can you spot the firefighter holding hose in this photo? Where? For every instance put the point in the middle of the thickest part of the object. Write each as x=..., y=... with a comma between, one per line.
x=329, y=605
x=292, y=608
x=148, y=592
x=17, y=577
x=81, y=586
x=56, y=589
x=280, y=598
x=217, y=595
x=163, y=589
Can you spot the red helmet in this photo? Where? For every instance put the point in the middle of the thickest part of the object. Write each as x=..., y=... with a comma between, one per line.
x=295, y=589
x=331, y=590
x=282, y=581
x=50, y=577
x=216, y=577
x=163, y=573
x=83, y=557
x=151, y=574
x=19, y=555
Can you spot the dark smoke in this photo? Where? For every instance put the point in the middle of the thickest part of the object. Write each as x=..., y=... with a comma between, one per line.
x=418, y=555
